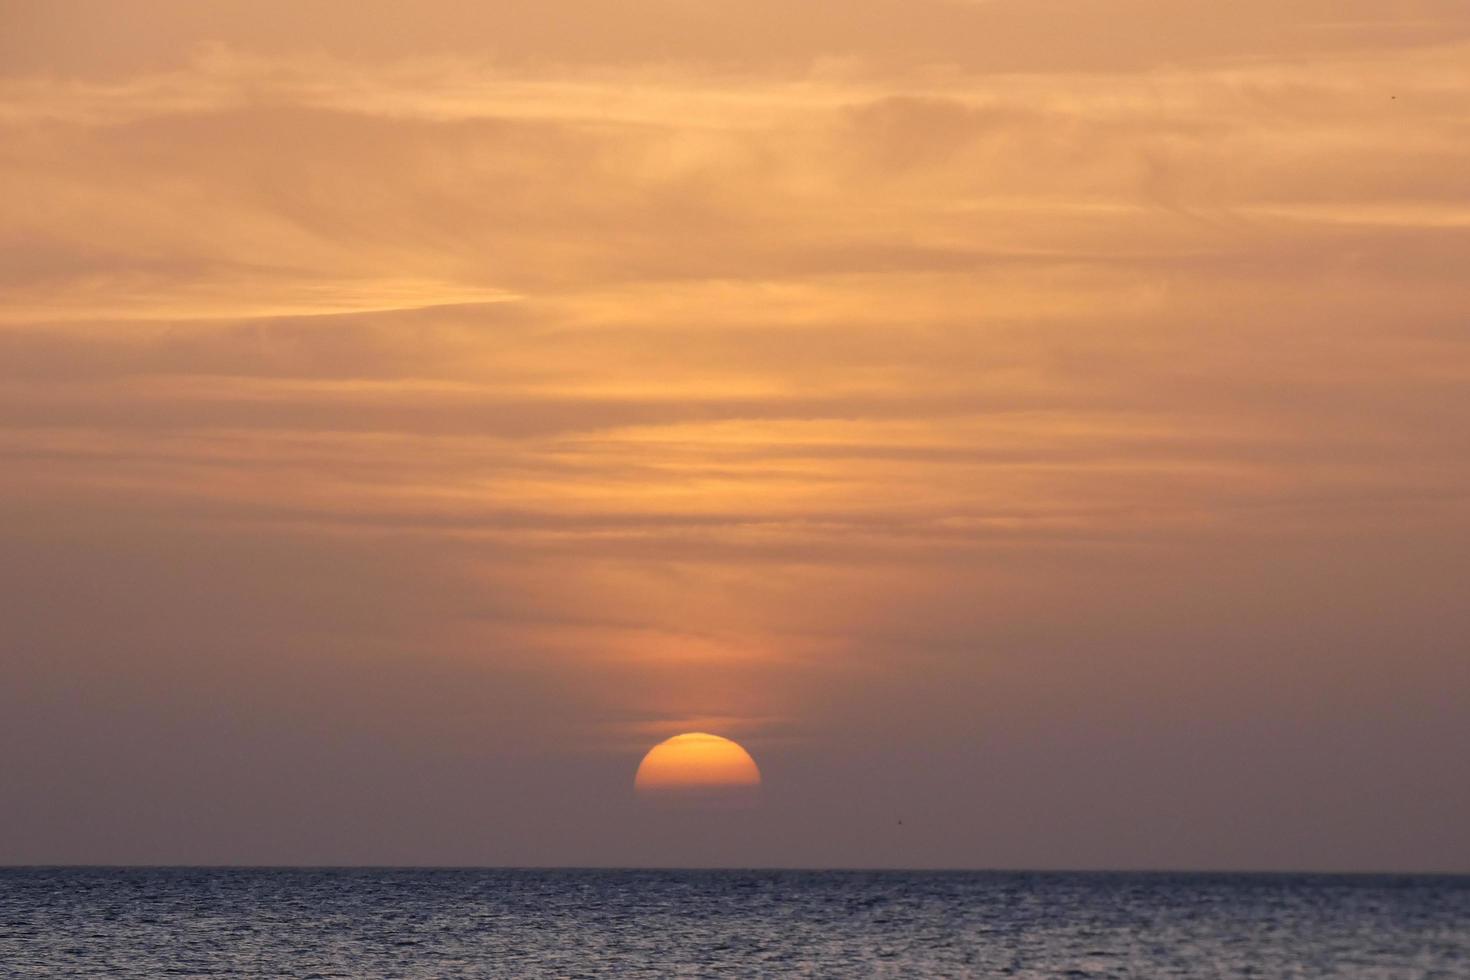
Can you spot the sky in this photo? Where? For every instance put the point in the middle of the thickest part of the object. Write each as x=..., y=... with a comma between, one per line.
x=1038, y=430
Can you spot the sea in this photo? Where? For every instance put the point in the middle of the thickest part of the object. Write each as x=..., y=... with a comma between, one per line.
x=150, y=923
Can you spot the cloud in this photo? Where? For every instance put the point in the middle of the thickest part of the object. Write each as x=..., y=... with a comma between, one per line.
x=882, y=379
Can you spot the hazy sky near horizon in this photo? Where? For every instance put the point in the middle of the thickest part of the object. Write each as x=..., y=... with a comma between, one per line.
x=1043, y=422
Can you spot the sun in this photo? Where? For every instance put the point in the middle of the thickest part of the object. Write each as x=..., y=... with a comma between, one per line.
x=697, y=764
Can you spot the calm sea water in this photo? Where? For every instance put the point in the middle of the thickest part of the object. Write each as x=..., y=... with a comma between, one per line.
x=152, y=923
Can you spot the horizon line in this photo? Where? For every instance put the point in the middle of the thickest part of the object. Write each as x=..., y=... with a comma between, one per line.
x=750, y=869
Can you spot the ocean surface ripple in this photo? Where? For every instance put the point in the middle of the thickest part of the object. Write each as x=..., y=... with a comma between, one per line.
x=361, y=923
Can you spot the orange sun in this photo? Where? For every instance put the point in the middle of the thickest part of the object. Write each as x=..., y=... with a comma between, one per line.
x=697, y=765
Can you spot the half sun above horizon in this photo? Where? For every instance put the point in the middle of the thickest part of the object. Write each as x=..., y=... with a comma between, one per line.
x=697, y=762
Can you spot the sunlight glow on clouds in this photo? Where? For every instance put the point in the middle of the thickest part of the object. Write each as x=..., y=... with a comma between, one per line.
x=676, y=383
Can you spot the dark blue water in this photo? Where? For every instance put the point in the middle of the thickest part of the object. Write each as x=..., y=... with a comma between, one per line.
x=151, y=923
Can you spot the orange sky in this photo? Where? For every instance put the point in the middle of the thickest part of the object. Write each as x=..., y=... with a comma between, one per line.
x=1043, y=420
